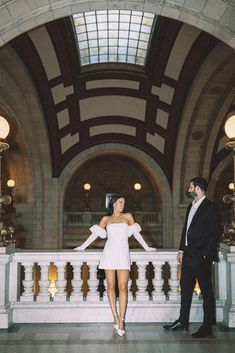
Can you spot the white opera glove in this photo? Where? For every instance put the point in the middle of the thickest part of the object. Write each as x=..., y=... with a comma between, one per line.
x=135, y=230
x=96, y=231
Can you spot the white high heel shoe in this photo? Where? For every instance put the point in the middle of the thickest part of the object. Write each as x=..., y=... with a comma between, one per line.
x=119, y=331
x=116, y=319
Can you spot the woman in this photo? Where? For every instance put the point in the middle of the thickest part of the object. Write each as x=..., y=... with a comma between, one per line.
x=116, y=256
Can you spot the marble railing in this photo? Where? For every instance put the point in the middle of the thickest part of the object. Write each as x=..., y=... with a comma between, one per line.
x=86, y=218
x=64, y=286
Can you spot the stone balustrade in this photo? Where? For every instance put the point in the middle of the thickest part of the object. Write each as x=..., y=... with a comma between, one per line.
x=30, y=294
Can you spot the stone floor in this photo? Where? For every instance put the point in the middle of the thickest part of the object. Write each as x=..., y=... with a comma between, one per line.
x=91, y=338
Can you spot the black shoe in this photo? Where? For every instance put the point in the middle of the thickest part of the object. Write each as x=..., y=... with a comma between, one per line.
x=204, y=331
x=176, y=326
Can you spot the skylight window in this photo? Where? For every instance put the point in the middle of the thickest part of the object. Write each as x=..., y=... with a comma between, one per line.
x=113, y=36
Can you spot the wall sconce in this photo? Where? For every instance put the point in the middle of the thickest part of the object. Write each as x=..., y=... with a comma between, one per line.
x=6, y=232
x=137, y=187
x=87, y=188
x=229, y=230
x=11, y=183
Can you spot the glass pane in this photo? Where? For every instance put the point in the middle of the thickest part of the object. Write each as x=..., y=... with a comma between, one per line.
x=103, y=34
x=122, y=42
x=103, y=50
x=113, y=50
x=103, y=58
x=84, y=52
x=93, y=43
x=102, y=26
x=81, y=37
x=140, y=61
x=133, y=43
x=136, y=19
x=145, y=29
x=135, y=27
x=93, y=51
x=113, y=42
x=92, y=35
x=101, y=17
x=90, y=19
x=113, y=58
x=124, y=26
x=125, y=18
x=143, y=45
x=144, y=37
x=122, y=58
x=113, y=25
x=94, y=59
x=83, y=45
x=132, y=51
x=134, y=35
x=131, y=59
x=122, y=50
x=103, y=42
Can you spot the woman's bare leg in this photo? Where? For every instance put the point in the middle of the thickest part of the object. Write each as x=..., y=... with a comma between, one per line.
x=110, y=279
x=123, y=276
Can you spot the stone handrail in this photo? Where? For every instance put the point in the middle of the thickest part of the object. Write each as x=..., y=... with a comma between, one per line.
x=65, y=286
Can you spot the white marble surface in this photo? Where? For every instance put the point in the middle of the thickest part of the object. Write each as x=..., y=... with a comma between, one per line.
x=17, y=15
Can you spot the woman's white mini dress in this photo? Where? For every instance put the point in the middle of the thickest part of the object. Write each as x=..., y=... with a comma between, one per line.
x=116, y=255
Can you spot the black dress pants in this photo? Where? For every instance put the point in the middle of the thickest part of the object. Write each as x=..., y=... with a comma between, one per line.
x=196, y=268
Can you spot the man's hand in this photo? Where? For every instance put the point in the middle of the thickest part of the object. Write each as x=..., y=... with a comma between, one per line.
x=180, y=257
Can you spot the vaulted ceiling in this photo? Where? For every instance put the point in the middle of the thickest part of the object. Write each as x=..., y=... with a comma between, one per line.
x=141, y=106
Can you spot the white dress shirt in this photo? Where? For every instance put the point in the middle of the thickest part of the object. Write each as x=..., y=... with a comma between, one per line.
x=193, y=210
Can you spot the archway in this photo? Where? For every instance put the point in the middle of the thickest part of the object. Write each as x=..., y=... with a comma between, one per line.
x=146, y=163
x=111, y=173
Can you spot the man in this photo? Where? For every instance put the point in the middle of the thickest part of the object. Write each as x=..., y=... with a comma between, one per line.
x=197, y=251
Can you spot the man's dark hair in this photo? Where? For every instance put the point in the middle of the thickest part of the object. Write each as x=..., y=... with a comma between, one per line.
x=201, y=182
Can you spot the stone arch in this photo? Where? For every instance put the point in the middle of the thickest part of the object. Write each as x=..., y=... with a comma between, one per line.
x=217, y=19
x=144, y=160
x=19, y=101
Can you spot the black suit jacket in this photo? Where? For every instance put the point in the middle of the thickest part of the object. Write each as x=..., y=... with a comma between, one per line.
x=204, y=231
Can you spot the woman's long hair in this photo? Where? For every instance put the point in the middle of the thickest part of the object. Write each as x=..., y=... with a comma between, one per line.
x=110, y=199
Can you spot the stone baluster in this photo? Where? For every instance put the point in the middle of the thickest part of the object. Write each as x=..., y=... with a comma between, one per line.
x=28, y=282
x=174, y=293
x=105, y=295
x=158, y=293
x=60, y=283
x=44, y=295
x=141, y=282
x=77, y=282
x=130, y=294
x=93, y=282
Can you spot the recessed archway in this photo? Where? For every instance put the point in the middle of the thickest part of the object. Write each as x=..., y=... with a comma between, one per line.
x=145, y=162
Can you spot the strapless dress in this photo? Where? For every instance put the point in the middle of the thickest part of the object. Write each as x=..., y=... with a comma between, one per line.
x=116, y=255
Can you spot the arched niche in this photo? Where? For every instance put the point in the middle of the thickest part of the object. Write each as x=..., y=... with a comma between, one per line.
x=151, y=171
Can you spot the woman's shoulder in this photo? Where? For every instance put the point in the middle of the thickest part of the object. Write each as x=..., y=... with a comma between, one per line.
x=104, y=221
x=129, y=217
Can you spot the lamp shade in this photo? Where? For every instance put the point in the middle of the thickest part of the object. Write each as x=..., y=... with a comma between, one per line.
x=137, y=186
x=87, y=186
x=11, y=183
x=4, y=128
x=229, y=127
